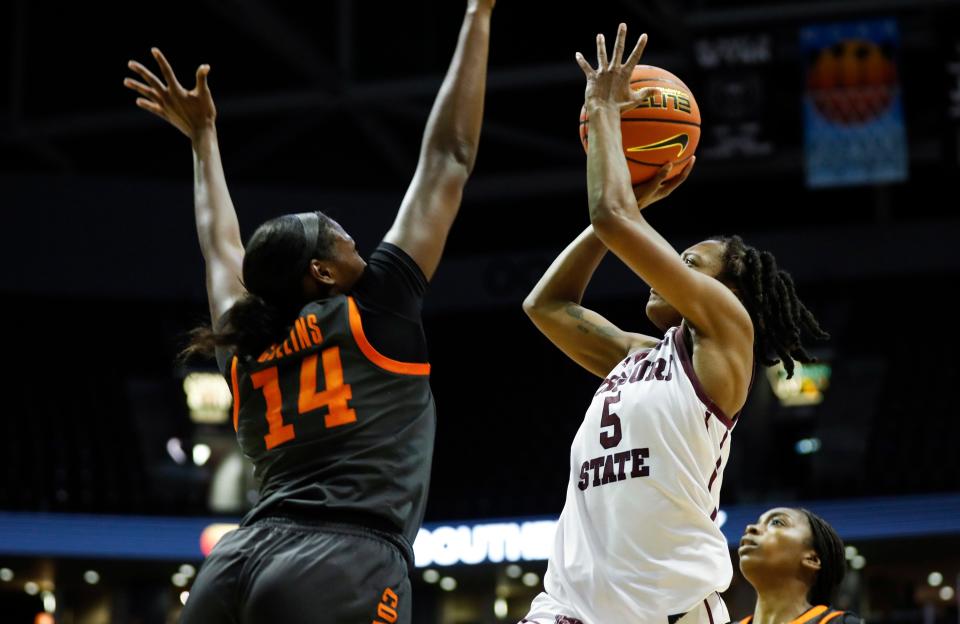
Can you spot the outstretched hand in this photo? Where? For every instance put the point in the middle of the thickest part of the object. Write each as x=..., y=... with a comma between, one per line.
x=659, y=187
x=190, y=112
x=609, y=83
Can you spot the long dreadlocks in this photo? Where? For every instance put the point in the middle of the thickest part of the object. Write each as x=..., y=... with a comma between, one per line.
x=771, y=299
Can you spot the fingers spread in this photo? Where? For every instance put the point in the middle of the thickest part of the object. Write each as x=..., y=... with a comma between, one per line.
x=602, y=52
x=664, y=171
x=637, y=51
x=647, y=93
x=584, y=65
x=153, y=107
x=671, y=185
x=147, y=75
x=141, y=88
x=165, y=68
x=202, y=72
x=619, y=45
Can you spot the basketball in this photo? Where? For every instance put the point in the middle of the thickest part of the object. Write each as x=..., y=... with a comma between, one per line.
x=663, y=128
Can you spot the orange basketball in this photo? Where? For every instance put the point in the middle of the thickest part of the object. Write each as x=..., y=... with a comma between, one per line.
x=664, y=128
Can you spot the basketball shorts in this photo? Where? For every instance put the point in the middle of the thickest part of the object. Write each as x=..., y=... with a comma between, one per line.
x=545, y=610
x=283, y=570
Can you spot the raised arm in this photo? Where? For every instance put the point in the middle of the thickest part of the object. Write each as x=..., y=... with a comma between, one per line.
x=553, y=305
x=449, y=146
x=708, y=305
x=194, y=114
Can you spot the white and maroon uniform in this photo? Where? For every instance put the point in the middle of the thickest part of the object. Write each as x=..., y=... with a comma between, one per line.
x=637, y=539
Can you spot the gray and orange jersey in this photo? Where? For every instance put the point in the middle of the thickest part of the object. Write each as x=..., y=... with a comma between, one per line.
x=330, y=423
x=819, y=614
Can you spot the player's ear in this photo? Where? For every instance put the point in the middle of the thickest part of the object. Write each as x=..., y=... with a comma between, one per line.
x=323, y=272
x=811, y=561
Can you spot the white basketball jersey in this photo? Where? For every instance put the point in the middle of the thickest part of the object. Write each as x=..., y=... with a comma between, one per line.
x=637, y=540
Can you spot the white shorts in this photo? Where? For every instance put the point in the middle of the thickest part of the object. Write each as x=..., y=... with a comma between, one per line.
x=545, y=610
x=711, y=610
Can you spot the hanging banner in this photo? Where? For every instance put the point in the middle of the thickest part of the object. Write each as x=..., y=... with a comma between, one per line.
x=854, y=132
x=735, y=72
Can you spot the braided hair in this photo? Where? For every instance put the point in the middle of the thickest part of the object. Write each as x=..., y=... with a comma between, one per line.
x=771, y=300
x=833, y=561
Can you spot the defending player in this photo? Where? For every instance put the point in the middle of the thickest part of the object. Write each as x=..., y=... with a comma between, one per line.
x=327, y=360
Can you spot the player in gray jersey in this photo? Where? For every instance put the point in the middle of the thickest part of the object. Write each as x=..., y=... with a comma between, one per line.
x=327, y=362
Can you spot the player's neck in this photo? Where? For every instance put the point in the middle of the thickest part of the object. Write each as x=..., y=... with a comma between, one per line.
x=781, y=605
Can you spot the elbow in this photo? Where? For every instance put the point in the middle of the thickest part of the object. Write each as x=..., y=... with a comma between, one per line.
x=605, y=218
x=602, y=203
x=530, y=305
x=533, y=306
x=454, y=157
x=445, y=171
x=464, y=154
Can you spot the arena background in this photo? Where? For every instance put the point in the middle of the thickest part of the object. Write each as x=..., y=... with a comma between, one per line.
x=831, y=134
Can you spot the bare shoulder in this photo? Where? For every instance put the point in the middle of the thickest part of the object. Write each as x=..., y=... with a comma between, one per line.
x=723, y=370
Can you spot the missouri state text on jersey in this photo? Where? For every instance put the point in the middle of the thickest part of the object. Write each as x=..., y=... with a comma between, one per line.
x=637, y=539
x=641, y=367
x=629, y=464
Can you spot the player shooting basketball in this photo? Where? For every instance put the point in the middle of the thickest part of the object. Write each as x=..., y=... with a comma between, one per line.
x=637, y=539
x=327, y=360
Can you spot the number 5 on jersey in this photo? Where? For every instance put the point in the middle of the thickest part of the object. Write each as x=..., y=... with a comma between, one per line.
x=607, y=419
x=334, y=397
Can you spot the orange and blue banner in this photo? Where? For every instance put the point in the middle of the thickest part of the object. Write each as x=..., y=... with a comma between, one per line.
x=854, y=132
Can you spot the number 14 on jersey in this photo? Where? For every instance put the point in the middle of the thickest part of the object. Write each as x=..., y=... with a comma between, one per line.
x=334, y=397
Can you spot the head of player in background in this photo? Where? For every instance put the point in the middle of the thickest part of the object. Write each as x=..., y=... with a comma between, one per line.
x=793, y=550
x=767, y=292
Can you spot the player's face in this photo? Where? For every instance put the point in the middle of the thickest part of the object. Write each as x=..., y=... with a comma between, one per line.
x=777, y=546
x=706, y=258
x=346, y=259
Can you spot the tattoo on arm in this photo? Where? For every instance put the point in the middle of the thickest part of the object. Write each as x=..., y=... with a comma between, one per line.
x=586, y=326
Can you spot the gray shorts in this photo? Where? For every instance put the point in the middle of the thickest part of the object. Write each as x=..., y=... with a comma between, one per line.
x=280, y=570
